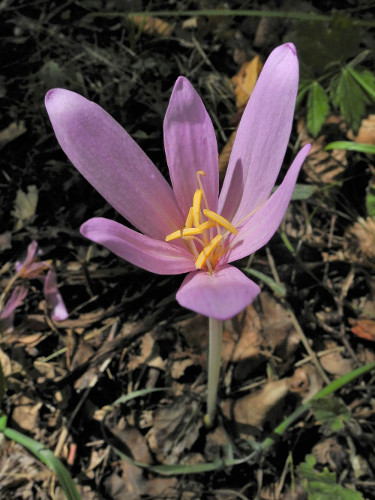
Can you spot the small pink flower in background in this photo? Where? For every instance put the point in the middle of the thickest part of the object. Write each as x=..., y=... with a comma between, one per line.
x=189, y=227
x=7, y=314
x=31, y=268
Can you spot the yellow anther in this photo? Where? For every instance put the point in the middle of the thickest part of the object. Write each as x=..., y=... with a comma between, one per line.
x=189, y=219
x=207, y=251
x=220, y=220
x=174, y=235
x=197, y=207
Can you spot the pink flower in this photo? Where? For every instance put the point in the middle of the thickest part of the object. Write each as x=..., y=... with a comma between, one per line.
x=189, y=227
x=31, y=268
x=8, y=312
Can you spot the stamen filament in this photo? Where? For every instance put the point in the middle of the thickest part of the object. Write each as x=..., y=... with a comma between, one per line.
x=220, y=220
x=207, y=251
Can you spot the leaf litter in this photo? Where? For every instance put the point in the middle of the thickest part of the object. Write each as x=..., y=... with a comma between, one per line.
x=125, y=333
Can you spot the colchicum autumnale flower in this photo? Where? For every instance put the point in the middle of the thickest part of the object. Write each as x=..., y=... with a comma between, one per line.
x=27, y=268
x=190, y=228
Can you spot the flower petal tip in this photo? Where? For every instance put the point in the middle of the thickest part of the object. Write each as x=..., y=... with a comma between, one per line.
x=292, y=47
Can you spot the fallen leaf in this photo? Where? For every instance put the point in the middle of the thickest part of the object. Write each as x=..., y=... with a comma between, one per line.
x=25, y=206
x=152, y=25
x=11, y=133
x=175, y=429
x=26, y=413
x=255, y=408
x=366, y=132
x=363, y=328
x=330, y=452
x=334, y=362
x=244, y=81
x=320, y=165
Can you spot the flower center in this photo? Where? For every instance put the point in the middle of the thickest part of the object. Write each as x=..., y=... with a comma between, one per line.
x=204, y=231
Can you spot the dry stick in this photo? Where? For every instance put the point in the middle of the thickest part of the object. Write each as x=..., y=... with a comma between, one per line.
x=297, y=326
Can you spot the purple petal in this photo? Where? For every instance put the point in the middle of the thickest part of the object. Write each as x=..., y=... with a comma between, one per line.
x=262, y=136
x=113, y=163
x=7, y=314
x=259, y=229
x=220, y=295
x=53, y=297
x=190, y=145
x=153, y=255
x=27, y=259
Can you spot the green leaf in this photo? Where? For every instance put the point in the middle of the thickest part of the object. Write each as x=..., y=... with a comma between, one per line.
x=351, y=146
x=331, y=412
x=303, y=191
x=322, y=485
x=317, y=108
x=349, y=97
x=365, y=79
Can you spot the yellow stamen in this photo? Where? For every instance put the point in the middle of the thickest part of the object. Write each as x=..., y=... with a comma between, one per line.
x=197, y=207
x=220, y=220
x=190, y=231
x=207, y=251
x=189, y=219
x=174, y=235
x=207, y=225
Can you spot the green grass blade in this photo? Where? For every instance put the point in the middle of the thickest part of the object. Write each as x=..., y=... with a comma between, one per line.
x=44, y=455
x=275, y=287
x=351, y=146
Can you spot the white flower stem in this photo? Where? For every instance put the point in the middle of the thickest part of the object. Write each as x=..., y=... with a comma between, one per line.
x=214, y=363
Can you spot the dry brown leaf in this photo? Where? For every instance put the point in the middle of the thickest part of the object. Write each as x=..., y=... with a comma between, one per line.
x=253, y=336
x=254, y=409
x=26, y=413
x=244, y=81
x=366, y=132
x=330, y=452
x=11, y=133
x=360, y=238
x=152, y=25
x=363, y=328
x=322, y=166
x=334, y=362
x=175, y=429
